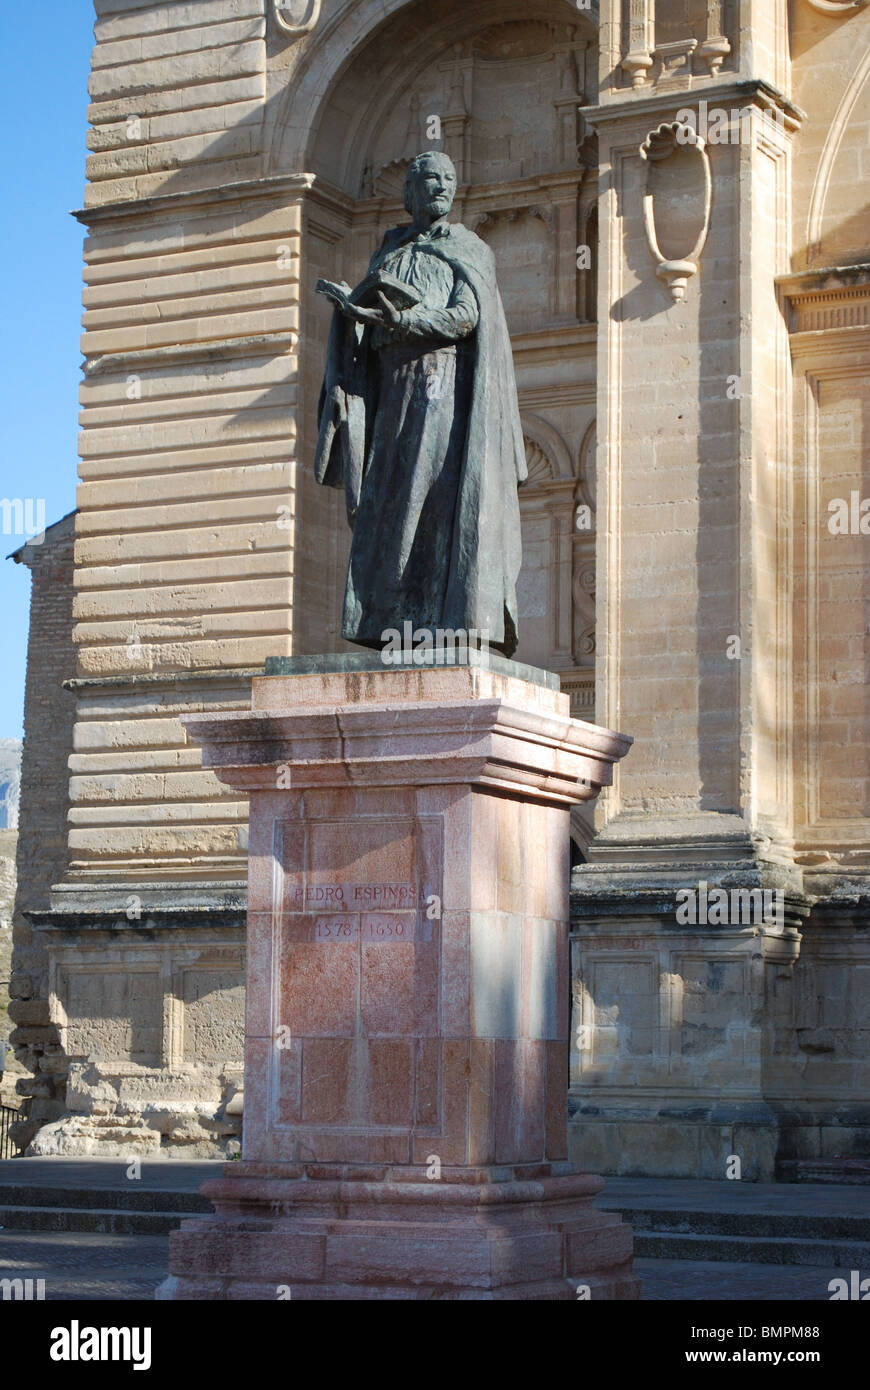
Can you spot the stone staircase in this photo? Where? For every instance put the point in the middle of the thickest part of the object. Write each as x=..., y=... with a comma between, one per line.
x=96, y=1196
x=795, y=1224
x=745, y=1223
x=850, y=1171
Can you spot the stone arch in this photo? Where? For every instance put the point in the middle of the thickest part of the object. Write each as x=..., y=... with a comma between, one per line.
x=586, y=490
x=819, y=235
x=337, y=41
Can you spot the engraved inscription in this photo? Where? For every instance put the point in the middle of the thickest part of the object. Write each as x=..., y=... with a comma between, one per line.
x=350, y=897
x=395, y=895
x=336, y=929
x=383, y=928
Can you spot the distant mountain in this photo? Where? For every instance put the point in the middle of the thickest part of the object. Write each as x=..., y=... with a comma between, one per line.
x=10, y=782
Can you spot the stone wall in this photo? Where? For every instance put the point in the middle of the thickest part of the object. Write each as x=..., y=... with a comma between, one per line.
x=41, y=859
x=11, y=1068
x=731, y=624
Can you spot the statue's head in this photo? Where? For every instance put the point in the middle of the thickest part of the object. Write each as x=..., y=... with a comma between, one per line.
x=430, y=186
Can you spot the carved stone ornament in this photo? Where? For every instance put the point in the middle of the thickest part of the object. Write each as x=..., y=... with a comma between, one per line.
x=676, y=59
x=296, y=17
x=837, y=6
x=714, y=51
x=677, y=202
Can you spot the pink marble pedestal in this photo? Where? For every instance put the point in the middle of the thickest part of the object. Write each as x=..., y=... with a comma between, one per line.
x=406, y=1067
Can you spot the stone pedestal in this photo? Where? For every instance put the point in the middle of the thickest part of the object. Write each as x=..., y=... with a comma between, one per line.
x=407, y=992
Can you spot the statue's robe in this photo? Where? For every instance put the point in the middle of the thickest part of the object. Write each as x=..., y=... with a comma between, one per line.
x=420, y=425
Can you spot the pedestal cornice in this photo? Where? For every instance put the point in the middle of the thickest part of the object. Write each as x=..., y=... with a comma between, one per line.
x=483, y=739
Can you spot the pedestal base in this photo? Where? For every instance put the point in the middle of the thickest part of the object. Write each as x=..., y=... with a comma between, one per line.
x=407, y=1028
x=275, y=1237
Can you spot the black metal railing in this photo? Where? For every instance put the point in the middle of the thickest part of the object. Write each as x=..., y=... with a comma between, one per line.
x=8, y=1117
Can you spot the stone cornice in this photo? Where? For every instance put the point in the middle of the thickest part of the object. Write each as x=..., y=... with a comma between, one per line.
x=639, y=105
x=154, y=679
x=557, y=185
x=77, y=919
x=831, y=299
x=261, y=344
x=827, y=279
x=159, y=204
x=462, y=728
x=540, y=344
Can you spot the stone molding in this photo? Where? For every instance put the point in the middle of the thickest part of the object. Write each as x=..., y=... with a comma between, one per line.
x=481, y=739
x=177, y=354
x=731, y=91
x=270, y=187
x=833, y=297
x=855, y=85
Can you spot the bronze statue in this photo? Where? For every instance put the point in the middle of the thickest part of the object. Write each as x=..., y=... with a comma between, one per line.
x=419, y=422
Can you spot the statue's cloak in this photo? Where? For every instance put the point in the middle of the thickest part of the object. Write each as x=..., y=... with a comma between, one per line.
x=486, y=548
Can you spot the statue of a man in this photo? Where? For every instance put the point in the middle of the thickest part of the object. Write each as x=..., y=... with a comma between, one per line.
x=419, y=422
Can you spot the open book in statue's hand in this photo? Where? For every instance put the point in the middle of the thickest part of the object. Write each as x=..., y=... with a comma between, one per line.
x=339, y=294
x=400, y=294
x=367, y=293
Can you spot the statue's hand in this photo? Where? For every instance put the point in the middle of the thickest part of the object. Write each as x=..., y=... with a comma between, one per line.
x=360, y=315
x=339, y=295
x=389, y=314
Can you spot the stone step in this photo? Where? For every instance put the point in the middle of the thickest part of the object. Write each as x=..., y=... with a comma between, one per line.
x=781, y=1250
x=132, y=1198
x=768, y=1225
x=103, y=1220
x=850, y=1172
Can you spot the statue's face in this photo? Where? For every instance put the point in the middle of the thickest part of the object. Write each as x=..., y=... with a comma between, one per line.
x=433, y=190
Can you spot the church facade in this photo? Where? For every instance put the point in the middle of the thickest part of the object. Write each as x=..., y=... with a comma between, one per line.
x=671, y=192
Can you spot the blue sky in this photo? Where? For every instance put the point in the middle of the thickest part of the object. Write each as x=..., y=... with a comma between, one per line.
x=43, y=99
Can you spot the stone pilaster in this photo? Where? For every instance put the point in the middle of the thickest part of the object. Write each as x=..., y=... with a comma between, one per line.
x=694, y=620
